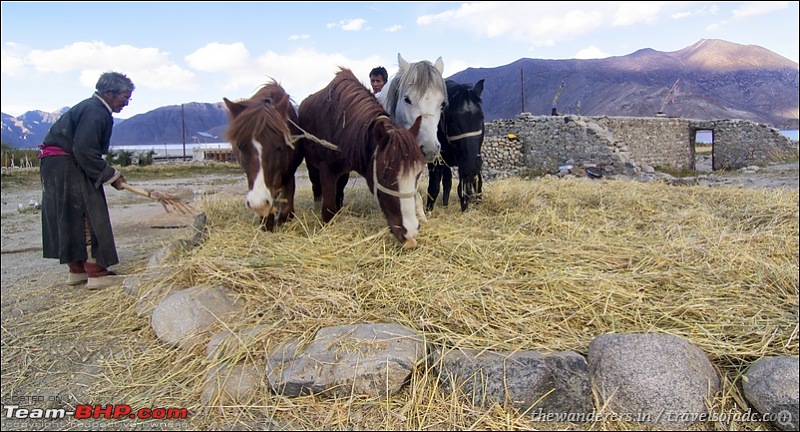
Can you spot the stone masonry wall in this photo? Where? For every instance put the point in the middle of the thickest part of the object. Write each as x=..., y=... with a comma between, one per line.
x=541, y=144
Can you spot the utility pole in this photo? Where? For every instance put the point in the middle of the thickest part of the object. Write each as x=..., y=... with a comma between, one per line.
x=522, y=88
x=183, y=131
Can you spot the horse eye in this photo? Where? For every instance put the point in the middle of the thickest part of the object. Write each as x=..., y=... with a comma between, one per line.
x=407, y=100
x=444, y=105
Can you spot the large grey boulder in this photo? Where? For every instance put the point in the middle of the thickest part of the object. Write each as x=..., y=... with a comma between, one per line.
x=539, y=384
x=184, y=315
x=655, y=379
x=364, y=359
x=771, y=386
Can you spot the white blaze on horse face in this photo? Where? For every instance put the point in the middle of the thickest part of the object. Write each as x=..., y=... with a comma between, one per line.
x=407, y=187
x=259, y=199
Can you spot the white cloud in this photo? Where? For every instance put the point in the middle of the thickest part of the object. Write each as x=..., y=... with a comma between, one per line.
x=630, y=13
x=754, y=9
x=703, y=11
x=299, y=37
x=353, y=24
x=11, y=64
x=591, y=52
x=300, y=73
x=538, y=24
x=95, y=55
x=393, y=28
x=216, y=57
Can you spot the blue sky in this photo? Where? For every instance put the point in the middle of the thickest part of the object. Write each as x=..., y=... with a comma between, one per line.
x=53, y=52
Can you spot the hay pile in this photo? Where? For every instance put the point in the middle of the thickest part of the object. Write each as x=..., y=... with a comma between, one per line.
x=543, y=265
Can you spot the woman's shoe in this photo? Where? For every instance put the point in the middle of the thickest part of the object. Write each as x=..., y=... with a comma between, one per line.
x=77, y=278
x=99, y=282
x=77, y=273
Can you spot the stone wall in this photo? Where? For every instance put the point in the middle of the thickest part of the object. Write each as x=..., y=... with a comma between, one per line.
x=541, y=144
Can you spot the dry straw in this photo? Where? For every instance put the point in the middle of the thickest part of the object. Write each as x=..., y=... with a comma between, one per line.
x=543, y=265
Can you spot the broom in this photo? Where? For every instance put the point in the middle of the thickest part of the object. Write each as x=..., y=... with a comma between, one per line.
x=165, y=200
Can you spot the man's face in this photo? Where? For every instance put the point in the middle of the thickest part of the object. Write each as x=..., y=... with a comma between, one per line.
x=377, y=83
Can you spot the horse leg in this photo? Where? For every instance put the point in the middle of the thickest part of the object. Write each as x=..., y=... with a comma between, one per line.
x=341, y=183
x=434, y=178
x=316, y=183
x=329, y=208
x=286, y=210
x=466, y=188
x=479, y=188
x=268, y=223
x=447, y=184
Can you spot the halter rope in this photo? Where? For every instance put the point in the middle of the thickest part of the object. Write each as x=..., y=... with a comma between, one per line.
x=465, y=135
x=320, y=141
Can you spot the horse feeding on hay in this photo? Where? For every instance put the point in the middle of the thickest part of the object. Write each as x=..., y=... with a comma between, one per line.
x=260, y=132
x=418, y=89
x=367, y=141
x=461, y=133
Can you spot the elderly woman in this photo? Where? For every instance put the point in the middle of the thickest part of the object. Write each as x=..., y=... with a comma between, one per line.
x=76, y=226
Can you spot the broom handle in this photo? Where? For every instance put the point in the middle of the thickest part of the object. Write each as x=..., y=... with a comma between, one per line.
x=136, y=190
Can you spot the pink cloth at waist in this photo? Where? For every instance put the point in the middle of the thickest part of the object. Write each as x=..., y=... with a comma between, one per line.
x=51, y=150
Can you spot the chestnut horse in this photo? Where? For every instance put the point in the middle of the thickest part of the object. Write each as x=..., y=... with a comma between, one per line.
x=346, y=115
x=260, y=132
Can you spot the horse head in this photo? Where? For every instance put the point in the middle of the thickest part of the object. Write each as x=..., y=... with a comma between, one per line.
x=418, y=89
x=396, y=169
x=260, y=136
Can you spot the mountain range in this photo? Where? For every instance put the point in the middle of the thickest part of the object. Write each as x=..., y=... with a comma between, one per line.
x=711, y=79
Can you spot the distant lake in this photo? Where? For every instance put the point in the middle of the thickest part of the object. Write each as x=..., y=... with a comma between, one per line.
x=171, y=150
x=176, y=150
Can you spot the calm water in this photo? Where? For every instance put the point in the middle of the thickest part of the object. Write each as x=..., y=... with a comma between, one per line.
x=172, y=150
x=176, y=150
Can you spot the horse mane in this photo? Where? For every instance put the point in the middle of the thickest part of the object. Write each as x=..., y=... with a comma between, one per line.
x=355, y=111
x=420, y=77
x=260, y=115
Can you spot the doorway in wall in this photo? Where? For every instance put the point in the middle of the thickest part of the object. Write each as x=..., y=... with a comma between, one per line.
x=703, y=150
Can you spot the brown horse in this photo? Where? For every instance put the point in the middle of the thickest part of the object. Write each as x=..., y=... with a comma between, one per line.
x=347, y=115
x=260, y=131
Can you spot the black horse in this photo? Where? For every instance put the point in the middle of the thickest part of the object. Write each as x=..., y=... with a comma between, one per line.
x=461, y=136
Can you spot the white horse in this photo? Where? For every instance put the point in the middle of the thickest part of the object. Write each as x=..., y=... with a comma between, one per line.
x=418, y=89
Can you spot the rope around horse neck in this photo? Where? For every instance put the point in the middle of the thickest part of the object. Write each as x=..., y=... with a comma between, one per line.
x=382, y=188
x=320, y=141
x=465, y=135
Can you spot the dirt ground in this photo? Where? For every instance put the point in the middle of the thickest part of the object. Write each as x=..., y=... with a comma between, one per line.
x=34, y=288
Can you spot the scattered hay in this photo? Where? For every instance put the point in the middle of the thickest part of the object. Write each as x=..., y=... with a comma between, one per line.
x=542, y=265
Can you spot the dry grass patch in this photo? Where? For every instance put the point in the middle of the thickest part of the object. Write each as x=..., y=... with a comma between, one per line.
x=542, y=265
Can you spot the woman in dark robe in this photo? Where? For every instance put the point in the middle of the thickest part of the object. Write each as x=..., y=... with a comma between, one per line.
x=76, y=226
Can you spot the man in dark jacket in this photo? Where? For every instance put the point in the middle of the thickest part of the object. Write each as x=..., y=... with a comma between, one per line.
x=76, y=226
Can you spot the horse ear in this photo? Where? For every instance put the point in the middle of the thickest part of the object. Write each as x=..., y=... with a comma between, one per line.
x=234, y=108
x=414, y=129
x=380, y=134
x=478, y=89
x=283, y=105
x=440, y=65
x=402, y=63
